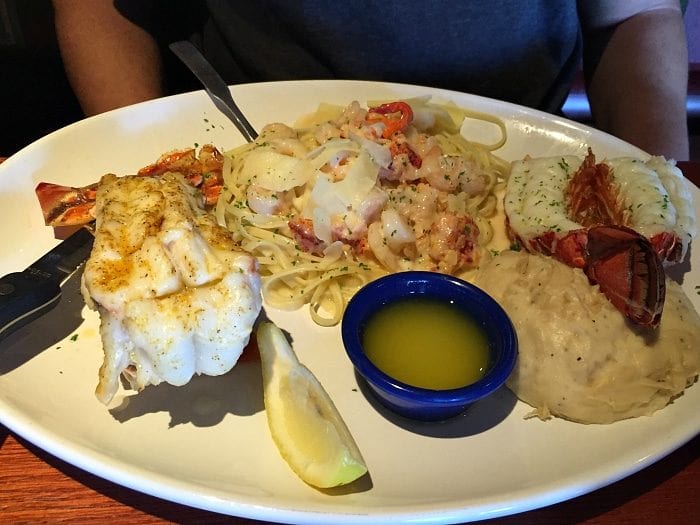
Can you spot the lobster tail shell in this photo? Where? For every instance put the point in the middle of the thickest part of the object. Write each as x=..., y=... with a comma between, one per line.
x=69, y=206
x=628, y=271
x=66, y=205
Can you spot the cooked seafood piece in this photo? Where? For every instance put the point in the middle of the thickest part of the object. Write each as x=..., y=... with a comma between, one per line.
x=641, y=213
x=66, y=205
x=628, y=271
x=581, y=360
x=387, y=188
x=176, y=297
x=72, y=206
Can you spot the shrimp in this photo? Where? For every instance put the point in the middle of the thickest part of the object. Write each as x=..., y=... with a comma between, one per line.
x=352, y=119
x=268, y=202
x=450, y=173
x=452, y=242
x=419, y=157
x=418, y=230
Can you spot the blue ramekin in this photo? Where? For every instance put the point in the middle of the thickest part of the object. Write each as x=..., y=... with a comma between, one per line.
x=421, y=403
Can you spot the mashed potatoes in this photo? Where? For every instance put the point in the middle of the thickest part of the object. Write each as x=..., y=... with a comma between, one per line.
x=579, y=358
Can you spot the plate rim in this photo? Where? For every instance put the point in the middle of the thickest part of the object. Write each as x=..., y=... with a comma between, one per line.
x=63, y=451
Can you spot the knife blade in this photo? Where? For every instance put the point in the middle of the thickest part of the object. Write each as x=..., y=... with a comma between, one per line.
x=29, y=294
x=214, y=85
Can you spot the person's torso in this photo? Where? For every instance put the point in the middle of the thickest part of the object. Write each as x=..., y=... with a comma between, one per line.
x=523, y=52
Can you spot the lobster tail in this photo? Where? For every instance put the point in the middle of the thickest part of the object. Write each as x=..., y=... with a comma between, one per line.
x=628, y=271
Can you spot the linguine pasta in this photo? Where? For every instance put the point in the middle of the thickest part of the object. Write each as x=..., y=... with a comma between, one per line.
x=349, y=194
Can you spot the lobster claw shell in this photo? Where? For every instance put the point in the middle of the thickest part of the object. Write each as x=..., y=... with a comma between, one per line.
x=628, y=271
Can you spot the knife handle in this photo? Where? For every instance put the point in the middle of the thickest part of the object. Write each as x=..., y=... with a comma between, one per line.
x=24, y=296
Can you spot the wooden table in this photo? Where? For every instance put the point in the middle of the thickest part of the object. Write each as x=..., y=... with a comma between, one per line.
x=38, y=488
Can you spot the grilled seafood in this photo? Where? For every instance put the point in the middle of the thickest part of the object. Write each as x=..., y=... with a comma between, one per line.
x=174, y=293
x=71, y=206
x=620, y=220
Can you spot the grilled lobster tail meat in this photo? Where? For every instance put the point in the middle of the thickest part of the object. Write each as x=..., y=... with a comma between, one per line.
x=620, y=220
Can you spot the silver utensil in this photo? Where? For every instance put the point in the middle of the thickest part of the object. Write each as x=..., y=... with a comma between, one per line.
x=214, y=85
x=29, y=294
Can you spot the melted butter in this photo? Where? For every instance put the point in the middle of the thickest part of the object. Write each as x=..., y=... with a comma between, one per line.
x=427, y=343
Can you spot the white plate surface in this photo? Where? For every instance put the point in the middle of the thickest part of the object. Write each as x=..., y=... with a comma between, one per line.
x=207, y=444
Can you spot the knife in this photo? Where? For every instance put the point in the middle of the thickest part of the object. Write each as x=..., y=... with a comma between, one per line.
x=214, y=85
x=27, y=295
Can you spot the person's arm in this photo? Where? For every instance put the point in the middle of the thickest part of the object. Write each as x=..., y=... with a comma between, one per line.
x=636, y=66
x=110, y=62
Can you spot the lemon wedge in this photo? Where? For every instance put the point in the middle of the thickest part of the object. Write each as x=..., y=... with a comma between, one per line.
x=305, y=424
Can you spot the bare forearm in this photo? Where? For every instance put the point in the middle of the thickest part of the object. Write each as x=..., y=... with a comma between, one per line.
x=639, y=87
x=110, y=62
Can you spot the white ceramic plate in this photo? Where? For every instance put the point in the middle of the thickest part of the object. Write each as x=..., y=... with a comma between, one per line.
x=207, y=444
